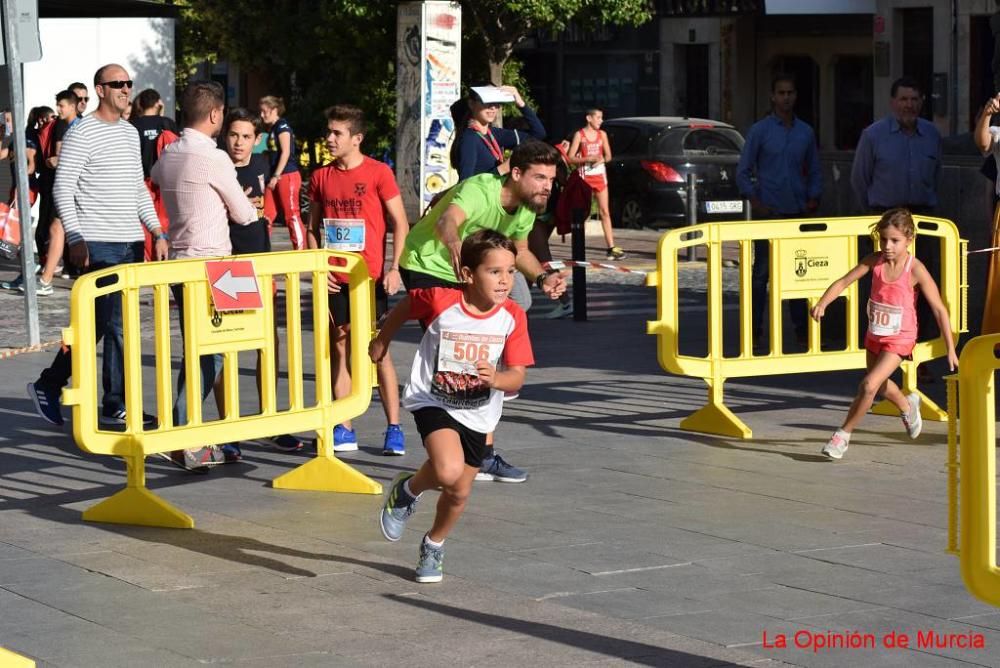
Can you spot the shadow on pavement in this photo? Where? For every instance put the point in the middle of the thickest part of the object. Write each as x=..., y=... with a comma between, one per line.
x=629, y=650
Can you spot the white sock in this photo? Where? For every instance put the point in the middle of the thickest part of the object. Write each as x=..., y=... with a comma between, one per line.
x=406, y=488
x=428, y=541
x=846, y=435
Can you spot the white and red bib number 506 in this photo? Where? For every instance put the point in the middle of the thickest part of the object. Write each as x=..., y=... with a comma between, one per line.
x=461, y=351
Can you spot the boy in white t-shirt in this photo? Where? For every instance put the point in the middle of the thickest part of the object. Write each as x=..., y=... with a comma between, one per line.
x=456, y=390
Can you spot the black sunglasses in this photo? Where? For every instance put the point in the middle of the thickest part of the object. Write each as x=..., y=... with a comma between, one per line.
x=83, y=98
x=117, y=84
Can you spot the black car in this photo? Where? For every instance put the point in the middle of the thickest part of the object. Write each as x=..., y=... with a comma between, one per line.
x=651, y=158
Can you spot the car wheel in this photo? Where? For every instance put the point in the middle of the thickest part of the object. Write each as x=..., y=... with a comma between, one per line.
x=632, y=216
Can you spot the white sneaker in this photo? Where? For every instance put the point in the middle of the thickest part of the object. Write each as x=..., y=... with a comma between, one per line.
x=836, y=446
x=912, y=420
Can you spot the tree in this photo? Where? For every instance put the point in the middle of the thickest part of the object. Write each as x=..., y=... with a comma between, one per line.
x=311, y=52
x=505, y=23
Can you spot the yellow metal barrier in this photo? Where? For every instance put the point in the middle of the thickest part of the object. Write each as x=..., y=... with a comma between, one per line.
x=206, y=332
x=977, y=440
x=9, y=659
x=807, y=255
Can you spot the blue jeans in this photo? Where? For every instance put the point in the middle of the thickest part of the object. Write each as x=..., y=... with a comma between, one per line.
x=210, y=365
x=108, y=321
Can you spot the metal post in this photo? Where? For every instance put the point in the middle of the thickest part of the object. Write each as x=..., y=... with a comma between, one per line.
x=579, y=273
x=692, y=211
x=21, y=170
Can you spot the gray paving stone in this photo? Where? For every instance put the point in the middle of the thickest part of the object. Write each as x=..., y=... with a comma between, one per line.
x=633, y=542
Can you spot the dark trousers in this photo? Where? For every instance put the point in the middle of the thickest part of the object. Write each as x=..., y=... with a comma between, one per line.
x=210, y=365
x=108, y=321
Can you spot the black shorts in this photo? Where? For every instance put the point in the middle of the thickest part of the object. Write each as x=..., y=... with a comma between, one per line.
x=431, y=419
x=340, y=304
x=415, y=280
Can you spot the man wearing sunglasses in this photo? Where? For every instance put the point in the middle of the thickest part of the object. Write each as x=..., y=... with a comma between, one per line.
x=82, y=96
x=101, y=198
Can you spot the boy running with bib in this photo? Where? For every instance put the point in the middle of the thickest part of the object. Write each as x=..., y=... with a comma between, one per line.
x=892, y=323
x=456, y=386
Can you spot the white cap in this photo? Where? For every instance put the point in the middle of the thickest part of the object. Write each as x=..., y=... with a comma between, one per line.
x=492, y=94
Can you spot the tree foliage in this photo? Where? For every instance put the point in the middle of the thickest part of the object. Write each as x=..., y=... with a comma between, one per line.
x=311, y=52
x=505, y=23
x=317, y=52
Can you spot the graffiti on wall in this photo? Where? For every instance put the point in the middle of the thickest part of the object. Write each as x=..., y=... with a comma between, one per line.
x=428, y=78
x=408, y=131
x=442, y=72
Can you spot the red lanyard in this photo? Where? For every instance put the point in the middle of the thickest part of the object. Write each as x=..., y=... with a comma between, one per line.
x=490, y=141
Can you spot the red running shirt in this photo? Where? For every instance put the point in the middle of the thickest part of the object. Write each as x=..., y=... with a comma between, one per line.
x=360, y=192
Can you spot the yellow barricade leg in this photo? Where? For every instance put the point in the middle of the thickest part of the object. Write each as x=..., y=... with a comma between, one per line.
x=326, y=473
x=137, y=505
x=715, y=418
x=9, y=659
x=953, y=466
x=928, y=409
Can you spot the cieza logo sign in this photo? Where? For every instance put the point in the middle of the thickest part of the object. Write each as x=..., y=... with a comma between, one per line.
x=803, y=262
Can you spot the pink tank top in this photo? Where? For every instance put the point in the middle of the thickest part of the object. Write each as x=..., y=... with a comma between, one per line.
x=892, y=313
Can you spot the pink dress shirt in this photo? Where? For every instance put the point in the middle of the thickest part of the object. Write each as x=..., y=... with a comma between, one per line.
x=198, y=184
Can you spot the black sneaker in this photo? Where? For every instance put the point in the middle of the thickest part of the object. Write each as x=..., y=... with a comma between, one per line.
x=116, y=421
x=286, y=443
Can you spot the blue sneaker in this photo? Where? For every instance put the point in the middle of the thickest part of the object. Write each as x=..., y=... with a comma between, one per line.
x=395, y=441
x=344, y=439
x=496, y=469
x=397, y=509
x=47, y=404
x=430, y=568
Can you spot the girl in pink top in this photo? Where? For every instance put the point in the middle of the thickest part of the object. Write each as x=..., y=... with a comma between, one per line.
x=892, y=323
x=591, y=150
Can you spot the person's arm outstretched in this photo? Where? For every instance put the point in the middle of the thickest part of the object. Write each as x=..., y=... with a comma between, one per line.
x=399, y=314
x=841, y=284
x=927, y=286
x=447, y=232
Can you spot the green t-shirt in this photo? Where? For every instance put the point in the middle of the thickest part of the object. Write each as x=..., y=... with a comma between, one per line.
x=479, y=197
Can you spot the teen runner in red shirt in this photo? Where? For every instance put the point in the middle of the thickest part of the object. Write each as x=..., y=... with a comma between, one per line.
x=349, y=199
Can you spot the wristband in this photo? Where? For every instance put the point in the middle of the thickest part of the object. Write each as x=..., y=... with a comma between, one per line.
x=161, y=235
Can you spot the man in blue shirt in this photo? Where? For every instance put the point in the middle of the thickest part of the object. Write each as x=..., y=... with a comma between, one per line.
x=779, y=172
x=898, y=163
x=898, y=159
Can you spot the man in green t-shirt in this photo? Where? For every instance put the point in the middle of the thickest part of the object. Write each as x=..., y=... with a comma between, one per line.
x=508, y=204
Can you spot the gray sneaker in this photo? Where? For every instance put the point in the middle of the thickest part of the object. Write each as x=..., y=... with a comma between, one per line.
x=912, y=420
x=496, y=469
x=430, y=567
x=397, y=509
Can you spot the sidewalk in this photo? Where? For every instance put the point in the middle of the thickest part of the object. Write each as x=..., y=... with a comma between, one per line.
x=633, y=542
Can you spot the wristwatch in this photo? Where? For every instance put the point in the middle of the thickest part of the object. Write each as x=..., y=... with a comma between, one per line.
x=542, y=276
x=161, y=235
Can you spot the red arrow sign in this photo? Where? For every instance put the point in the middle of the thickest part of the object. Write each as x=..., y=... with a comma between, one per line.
x=234, y=285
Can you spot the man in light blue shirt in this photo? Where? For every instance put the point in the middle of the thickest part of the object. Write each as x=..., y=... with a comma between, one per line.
x=779, y=172
x=898, y=159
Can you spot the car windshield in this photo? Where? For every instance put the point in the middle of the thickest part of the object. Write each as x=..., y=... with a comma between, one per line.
x=700, y=141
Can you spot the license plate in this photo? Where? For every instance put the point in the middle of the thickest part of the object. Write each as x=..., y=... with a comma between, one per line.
x=725, y=206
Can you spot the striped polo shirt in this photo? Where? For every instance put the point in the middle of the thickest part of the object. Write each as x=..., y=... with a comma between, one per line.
x=99, y=190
